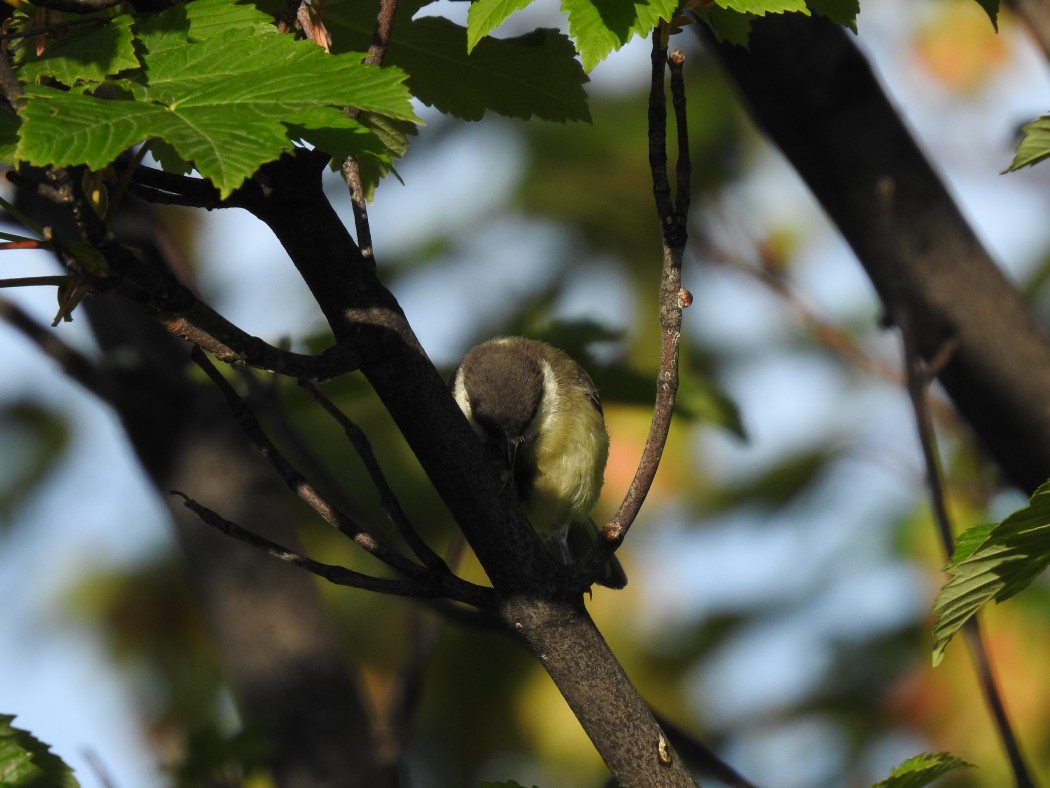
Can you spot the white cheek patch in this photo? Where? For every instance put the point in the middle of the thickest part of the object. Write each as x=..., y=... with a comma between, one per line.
x=550, y=402
x=459, y=393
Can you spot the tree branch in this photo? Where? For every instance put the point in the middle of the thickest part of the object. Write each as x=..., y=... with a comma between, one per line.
x=813, y=93
x=918, y=375
x=673, y=216
x=338, y=575
x=387, y=498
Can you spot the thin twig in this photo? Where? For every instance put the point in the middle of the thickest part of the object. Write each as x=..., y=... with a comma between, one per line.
x=34, y=281
x=351, y=169
x=918, y=376
x=673, y=298
x=387, y=498
x=76, y=365
x=76, y=6
x=299, y=485
x=338, y=575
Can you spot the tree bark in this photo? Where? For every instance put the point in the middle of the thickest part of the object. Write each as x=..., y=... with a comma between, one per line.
x=813, y=93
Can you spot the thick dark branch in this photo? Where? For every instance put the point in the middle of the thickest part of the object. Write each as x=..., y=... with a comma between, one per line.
x=813, y=93
x=338, y=575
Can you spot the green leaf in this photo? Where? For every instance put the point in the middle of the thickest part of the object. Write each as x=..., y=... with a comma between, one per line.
x=485, y=16
x=85, y=55
x=991, y=7
x=922, y=770
x=602, y=26
x=843, y=12
x=763, y=7
x=26, y=762
x=699, y=398
x=222, y=98
x=8, y=136
x=1013, y=553
x=969, y=540
x=728, y=26
x=536, y=74
x=394, y=135
x=1034, y=145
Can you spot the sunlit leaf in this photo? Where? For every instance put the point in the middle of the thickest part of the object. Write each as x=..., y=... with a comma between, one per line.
x=26, y=762
x=600, y=27
x=1013, y=553
x=1034, y=145
x=922, y=770
x=485, y=16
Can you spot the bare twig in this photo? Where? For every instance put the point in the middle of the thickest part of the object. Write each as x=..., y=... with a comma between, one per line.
x=918, y=376
x=351, y=169
x=76, y=6
x=299, y=485
x=387, y=498
x=452, y=586
x=339, y=575
x=34, y=281
x=73, y=363
x=673, y=297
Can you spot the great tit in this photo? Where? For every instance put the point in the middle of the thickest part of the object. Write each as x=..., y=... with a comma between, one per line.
x=537, y=412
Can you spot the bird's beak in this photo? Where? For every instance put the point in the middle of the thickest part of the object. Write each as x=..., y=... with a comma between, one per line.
x=510, y=454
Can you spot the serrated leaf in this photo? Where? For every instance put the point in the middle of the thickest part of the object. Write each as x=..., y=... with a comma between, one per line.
x=602, y=26
x=1034, y=145
x=763, y=7
x=485, y=16
x=991, y=7
x=85, y=55
x=534, y=74
x=1014, y=552
x=843, y=12
x=728, y=26
x=394, y=134
x=922, y=770
x=225, y=103
x=969, y=540
x=26, y=762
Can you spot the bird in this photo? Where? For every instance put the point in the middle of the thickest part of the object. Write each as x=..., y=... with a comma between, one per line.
x=537, y=412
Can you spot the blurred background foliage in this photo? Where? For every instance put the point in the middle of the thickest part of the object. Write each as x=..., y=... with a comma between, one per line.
x=782, y=572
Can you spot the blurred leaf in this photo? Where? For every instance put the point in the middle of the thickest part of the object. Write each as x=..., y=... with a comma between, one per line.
x=779, y=485
x=922, y=770
x=26, y=762
x=1012, y=554
x=507, y=784
x=699, y=398
x=35, y=439
x=215, y=759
